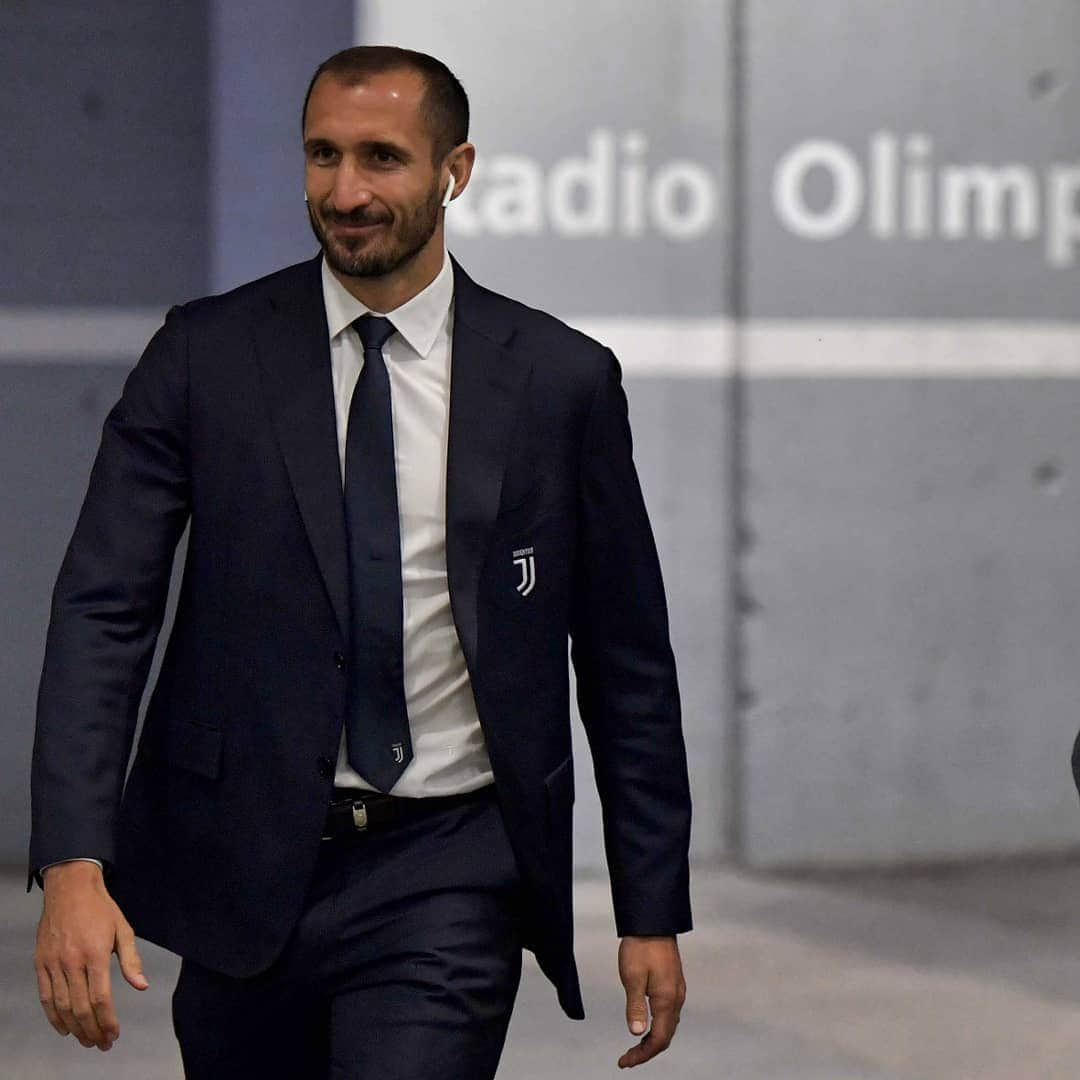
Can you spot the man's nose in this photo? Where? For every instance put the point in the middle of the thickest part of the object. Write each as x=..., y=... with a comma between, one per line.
x=351, y=190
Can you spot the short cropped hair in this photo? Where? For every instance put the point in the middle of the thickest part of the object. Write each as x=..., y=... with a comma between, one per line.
x=445, y=106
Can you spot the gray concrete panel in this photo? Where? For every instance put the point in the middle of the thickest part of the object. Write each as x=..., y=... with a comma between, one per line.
x=912, y=160
x=103, y=127
x=262, y=58
x=911, y=632
x=601, y=134
x=912, y=656
x=558, y=92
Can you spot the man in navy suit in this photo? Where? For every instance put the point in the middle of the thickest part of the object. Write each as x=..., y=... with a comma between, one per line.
x=350, y=804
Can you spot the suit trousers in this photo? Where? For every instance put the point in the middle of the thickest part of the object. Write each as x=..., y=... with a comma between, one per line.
x=404, y=963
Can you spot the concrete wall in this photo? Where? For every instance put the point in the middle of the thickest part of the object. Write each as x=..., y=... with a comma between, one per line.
x=103, y=127
x=263, y=55
x=910, y=438
x=834, y=247
x=599, y=194
x=850, y=390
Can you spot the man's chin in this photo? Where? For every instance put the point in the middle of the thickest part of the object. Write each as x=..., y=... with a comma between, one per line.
x=355, y=264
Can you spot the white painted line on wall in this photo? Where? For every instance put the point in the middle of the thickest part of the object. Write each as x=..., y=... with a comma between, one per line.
x=925, y=349
x=796, y=348
x=665, y=347
x=33, y=335
x=657, y=347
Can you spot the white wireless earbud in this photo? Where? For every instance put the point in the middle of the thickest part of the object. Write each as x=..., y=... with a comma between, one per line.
x=449, y=191
x=305, y=197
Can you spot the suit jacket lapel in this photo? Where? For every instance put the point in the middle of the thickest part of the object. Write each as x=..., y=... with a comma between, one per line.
x=487, y=379
x=293, y=348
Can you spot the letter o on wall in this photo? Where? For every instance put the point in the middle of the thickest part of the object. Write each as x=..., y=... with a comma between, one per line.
x=700, y=200
x=848, y=194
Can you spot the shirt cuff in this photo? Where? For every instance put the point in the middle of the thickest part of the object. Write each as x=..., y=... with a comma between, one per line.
x=78, y=858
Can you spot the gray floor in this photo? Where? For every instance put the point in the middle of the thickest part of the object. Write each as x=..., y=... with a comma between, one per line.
x=966, y=973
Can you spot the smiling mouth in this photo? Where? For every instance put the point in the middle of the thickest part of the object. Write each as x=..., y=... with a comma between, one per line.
x=356, y=230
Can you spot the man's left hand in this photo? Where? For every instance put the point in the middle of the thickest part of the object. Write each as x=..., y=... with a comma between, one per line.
x=650, y=968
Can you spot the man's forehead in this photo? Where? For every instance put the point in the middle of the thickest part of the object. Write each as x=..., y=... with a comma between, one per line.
x=392, y=93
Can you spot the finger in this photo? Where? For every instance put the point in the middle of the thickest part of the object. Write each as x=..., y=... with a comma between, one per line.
x=130, y=962
x=45, y=996
x=665, y=1018
x=637, y=1009
x=101, y=999
x=79, y=987
x=62, y=1001
x=653, y=1043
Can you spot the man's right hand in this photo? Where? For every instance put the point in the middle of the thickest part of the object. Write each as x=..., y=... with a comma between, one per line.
x=80, y=928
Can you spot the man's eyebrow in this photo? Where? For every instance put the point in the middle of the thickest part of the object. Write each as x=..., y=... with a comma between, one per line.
x=386, y=147
x=318, y=142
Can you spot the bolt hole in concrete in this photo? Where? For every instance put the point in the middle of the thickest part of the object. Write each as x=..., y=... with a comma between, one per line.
x=91, y=104
x=1049, y=477
x=1045, y=84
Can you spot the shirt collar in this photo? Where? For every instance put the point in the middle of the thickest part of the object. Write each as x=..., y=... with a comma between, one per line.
x=418, y=320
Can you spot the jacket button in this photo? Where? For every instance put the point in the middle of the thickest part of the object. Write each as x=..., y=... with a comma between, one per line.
x=339, y=661
x=325, y=767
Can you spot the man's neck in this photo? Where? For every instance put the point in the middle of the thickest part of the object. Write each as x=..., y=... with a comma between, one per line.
x=389, y=291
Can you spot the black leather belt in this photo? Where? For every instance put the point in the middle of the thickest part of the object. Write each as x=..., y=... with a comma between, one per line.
x=353, y=811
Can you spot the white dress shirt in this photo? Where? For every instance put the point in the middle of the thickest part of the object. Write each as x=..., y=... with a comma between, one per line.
x=449, y=754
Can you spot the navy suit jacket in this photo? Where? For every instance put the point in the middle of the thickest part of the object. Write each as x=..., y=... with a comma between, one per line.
x=227, y=422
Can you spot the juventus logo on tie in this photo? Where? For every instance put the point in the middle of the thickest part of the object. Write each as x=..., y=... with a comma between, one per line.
x=399, y=753
x=524, y=558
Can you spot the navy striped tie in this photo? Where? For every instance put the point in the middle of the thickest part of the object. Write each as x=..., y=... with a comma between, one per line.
x=377, y=723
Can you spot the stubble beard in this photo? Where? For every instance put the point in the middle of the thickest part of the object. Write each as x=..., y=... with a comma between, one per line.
x=380, y=257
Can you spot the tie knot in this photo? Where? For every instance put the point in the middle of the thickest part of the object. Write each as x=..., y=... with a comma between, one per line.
x=373, y=330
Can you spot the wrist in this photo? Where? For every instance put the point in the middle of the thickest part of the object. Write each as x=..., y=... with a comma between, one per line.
x=76, y=870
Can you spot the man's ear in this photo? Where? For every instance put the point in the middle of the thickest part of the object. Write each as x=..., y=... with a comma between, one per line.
x=460, y=163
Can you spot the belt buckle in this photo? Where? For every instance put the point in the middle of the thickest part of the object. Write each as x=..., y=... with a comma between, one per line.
x=359, y=817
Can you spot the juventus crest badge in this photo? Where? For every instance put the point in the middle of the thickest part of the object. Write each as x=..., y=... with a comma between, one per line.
x=525, y=559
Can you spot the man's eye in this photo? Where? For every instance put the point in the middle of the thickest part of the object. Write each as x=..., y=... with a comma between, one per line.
x=322, y=153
